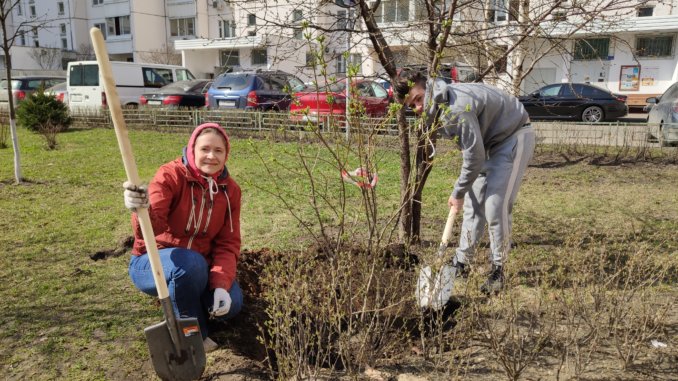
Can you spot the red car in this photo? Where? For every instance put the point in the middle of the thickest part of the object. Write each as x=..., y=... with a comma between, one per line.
x=372, y=95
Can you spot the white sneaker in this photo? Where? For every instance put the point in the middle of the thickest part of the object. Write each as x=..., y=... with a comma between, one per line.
x=209, y=345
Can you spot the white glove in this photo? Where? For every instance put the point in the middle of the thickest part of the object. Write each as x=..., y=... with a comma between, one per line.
x=222, y=302
x=135, y=196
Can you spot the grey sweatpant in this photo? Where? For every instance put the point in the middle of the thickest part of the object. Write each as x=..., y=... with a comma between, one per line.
x=492, y=196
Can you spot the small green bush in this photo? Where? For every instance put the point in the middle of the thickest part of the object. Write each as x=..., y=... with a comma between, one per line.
x=40, y=112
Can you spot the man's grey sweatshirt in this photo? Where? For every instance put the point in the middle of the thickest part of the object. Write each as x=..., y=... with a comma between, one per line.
x=481, y=117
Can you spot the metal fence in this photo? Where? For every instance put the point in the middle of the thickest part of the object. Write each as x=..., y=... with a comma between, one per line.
x=639, y=135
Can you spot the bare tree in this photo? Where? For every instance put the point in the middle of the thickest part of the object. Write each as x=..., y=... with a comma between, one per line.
x=8, y=37
x=46, y=58
x=10, y=32
x=164, y=55
x=503, y=42
x=85, y=52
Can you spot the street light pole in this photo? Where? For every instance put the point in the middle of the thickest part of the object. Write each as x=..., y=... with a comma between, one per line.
x=348, y=4
x=347, y=57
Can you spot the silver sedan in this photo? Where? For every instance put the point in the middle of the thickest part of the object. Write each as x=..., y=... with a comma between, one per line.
x=664, y=114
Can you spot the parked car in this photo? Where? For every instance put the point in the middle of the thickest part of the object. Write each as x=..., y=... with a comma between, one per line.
x=189, y=94
x=576, y=101
x=86, y=84
x=314, y=99
x=253, y=90
x=60, y=91
x=22, y=87
x=664, y=113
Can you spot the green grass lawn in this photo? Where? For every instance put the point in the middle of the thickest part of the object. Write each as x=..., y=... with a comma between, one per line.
x=65, y=316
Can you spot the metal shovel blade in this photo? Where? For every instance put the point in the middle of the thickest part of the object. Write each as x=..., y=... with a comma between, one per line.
x=435, y=289
x=184, y=361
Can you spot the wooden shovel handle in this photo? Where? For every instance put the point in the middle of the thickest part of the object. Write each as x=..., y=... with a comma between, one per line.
x=447, y=233
x=128, y=158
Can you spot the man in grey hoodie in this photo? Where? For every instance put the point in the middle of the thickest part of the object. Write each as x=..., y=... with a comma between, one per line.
x=494, y=134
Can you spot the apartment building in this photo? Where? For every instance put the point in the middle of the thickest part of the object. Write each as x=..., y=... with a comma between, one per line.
x=634, y=55
x=268, y=35
x=133, y=30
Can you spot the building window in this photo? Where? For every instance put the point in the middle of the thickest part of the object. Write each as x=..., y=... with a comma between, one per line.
x=298, y=33
x=19, y=11
x=341, y=64
x=501, y=63
x=559, y=16
x=654, y=46
x=392, y=11
x=645, y=11
x=357, y=62
x=64, y=43
x=118, y=26
x=342, y=21
x=592, y=49
x=182, y=27
x=251, y=19
x=297, y=15
x=310, y=59
x=102, y=28
x=229, y=57
x=22, y=38
x=226, y=28
x=259, y=57
x=97, y=2
x=62, y=27
x=31, y=8
x=497, y=11
x=60, y=8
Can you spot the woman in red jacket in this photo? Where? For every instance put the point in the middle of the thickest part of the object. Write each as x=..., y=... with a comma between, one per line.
x=195, y=213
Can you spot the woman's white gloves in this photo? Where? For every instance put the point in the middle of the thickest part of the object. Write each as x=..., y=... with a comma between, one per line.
x=222, y=302
x=135, y=196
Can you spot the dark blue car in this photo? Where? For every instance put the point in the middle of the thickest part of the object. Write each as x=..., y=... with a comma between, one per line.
x=255, y=90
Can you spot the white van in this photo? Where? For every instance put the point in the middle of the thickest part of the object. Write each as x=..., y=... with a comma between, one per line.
x=86, y=87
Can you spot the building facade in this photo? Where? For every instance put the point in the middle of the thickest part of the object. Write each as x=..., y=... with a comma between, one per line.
x=632, y=53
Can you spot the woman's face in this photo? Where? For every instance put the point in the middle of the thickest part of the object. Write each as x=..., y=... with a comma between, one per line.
x=210, y=153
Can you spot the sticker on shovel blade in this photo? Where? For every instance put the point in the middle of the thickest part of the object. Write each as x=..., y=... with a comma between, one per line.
x=191, y=330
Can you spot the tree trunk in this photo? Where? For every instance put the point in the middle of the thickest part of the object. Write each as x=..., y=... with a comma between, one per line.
x=424, y=165
x=404, y=227
x=12, y=118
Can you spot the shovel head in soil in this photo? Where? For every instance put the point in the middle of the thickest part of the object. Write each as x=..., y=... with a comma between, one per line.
x=183, y=361
x=434, y=288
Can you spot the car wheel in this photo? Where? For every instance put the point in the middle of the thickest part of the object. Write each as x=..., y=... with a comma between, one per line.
x=592, y=114
x=661, y=137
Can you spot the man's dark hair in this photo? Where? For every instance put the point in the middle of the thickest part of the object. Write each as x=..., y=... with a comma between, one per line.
x=407, y=79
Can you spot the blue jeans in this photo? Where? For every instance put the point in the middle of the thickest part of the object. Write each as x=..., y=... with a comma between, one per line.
x=186, y=272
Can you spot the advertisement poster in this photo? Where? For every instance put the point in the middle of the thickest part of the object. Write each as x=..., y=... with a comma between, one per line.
x=649, y=76
x=629, y=78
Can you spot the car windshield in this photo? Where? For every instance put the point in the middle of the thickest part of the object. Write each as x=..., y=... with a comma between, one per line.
x=15, y=84
x=233, y=81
